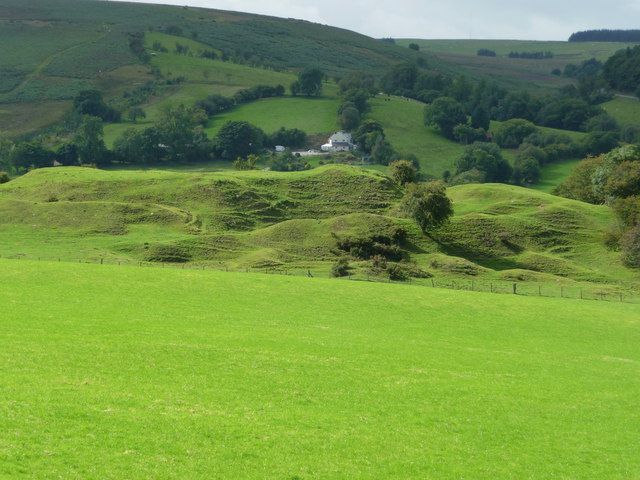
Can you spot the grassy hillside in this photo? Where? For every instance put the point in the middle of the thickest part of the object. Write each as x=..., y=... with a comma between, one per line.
x=295, y=222
x=53, y=50
x=624, y=109
x=317, y=115
x=403, y=121
x=534, y=75
x=143, y=373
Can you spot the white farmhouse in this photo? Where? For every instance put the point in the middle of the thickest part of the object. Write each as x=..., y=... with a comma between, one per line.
x=339, y=142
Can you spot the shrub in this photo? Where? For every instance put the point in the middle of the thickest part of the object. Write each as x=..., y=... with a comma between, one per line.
x=397, y=273
x=4, y=177
x=340, y=268
x=288, y=162
x=630, y=244
x=248, y=163
x=403, y=172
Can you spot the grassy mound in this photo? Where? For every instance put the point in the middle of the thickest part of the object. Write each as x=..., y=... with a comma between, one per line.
x=295, y=222
x=142, y=373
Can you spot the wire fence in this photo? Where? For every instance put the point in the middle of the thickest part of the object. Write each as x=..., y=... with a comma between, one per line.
x=576, y=291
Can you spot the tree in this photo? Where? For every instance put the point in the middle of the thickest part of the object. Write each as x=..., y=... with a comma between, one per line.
x=480, y=117
x=6, y=148
x=512, y=133
x=67, y=154
x=445, y=113
x=309, y=83
x=403, y=172
x=340, y=268
x=367, y=135
x=414, y=46
x=382, y=152
x=90, y=102
x=135, y=113
x=349, y=119
x=428, y=205
x=27, y=155
x=89, y=141
x=526, y=170
x=359, y=98
x=239, y=139
x=181, y=134
x=486, y=158
x=602, y=123
x=4, y=177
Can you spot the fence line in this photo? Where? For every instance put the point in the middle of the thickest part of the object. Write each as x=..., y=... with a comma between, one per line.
x=576, y=292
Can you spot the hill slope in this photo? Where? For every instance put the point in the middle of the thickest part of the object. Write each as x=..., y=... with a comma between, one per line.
x=143, y=373
x=293, y=222
x=533, y=75
x=52, y=50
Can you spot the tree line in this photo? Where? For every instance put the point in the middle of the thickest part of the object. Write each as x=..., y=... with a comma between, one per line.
x=605, y=35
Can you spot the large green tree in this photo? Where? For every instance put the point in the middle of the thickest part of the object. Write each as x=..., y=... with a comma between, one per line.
x=239, y=139
x=428, y=204
x=309, y=83
x=90, y=142
x=445, y=113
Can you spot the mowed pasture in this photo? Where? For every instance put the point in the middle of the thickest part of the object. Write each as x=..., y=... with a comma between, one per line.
x=532, y=75
x=112, y=372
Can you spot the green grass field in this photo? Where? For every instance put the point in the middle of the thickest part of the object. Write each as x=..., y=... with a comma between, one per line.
x=403, y=122
x=150, y=373
x=553, y=174
x=313, y=116
x=533, y=75
x=625, y=110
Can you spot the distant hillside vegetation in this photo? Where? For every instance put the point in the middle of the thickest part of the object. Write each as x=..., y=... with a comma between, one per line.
x=605, y=35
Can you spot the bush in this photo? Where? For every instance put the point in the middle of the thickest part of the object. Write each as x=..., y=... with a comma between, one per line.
x=397, y=273
x=244, y=164
x=288, y=162
x=630, y=244
x=4, y=177
x=403, y=172
x=340, y=268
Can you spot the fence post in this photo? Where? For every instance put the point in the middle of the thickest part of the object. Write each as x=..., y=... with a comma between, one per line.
x=515, y=288
x=539, y=290
x=561, y=292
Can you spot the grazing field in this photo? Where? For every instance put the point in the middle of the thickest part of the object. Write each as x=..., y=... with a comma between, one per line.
x=403, y=122
x=311, y=115
x=149, y=373
x=533, y=75
x=624, y=109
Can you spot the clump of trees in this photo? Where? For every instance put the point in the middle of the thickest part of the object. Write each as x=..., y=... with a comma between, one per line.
x=622, y=70
x=485, y=52
x=215, y=104
x=371, y=141
x=606, y=35
x=91, y=102
x=532, y=55
x=309, y=83
x=288, y=162
x=612, y=179
x=403, y=172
